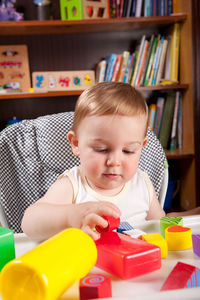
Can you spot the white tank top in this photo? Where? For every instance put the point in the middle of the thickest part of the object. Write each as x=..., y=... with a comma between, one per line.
x=133, y=200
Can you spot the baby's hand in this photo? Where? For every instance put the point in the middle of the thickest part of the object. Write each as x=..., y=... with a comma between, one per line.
x=91, y=215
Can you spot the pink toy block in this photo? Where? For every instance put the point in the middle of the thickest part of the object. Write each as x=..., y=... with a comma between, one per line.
x=113, y=223
x=196, y=243
x=182, y=276
x=126, y=257
x=95, y=286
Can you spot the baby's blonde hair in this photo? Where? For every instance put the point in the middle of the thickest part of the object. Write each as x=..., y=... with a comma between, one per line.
x=109, y=98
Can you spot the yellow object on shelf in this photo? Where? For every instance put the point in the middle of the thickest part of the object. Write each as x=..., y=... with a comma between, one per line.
x=178, y=237
x=45, y=272
x=158, y=240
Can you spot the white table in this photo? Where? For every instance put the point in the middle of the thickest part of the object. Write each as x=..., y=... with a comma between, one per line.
x=145, y=286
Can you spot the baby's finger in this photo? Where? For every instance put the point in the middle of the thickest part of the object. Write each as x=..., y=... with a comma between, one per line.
x=95, y=235
x=93, y=220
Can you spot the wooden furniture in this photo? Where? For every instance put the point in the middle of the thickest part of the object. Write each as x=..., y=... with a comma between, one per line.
x=79, y=45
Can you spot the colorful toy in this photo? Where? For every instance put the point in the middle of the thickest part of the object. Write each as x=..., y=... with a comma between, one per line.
x=8, y=12
x=93, y=9
x=71, y=9
x=95, y=286
x=182, y=276
x=7, y=246
x=166, y=222
x=125, y=256
x=158, y=240
x=196, y=243
x=124, y=226
x=178, y=237
x=50, y=268
x=113, y=223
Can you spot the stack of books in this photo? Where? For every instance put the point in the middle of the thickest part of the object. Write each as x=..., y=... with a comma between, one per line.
x=155, y=61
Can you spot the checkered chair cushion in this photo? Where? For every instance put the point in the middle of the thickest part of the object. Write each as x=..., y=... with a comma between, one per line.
x=33, y=153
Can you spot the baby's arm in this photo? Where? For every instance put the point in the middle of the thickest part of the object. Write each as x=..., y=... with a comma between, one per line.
x=155, y=210
x=55, y=212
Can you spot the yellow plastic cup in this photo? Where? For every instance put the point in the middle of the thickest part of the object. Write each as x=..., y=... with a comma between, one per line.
x=48, y=270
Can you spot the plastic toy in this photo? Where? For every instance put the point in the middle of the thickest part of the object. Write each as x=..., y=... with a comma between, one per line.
x=50, y=268
x=196, y=243
x=95, y=286
x=124, y=226
x=113, y=223
x=95, y=9
x=178, y=237
x=166, y=222
x=125, y=256
x=8, y=12
x=158, y=240
x=7, y=246
x=182, y=276
x=71, y=9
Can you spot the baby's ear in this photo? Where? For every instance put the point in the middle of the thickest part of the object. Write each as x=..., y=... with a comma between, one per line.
x=72, y=138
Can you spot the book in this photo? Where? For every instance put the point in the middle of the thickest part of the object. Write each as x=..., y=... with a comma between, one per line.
x=117, y=68
x=125, y=79
x=167, y=119
x=138, y=10
x=151, y=118
x=132, y=69
x=121, y=8
x=133, y=8
x=147, y=59
x=125, y=6
x=154, y=62
x=101, y=69
x=175, y=44
x=128, y=12
x=142, y=63
x=165, y=79
x=141, y=45
x=173, y=142
x=113, y=8
x=157, y=60
x=162, y=62
x=150, y=63
x=148, y=8
x=180, y=125
x=110, y=66
x=159, y=114
x=125, y=56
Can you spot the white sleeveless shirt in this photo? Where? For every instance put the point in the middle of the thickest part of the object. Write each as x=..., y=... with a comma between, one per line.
x=133, y=200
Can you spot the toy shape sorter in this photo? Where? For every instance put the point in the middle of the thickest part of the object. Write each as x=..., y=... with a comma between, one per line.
x=95, y=286
x=178, y=237
x=166, y=222
x=71, y=10
x=158, y=240
x=196, y=243
x=7, y=246
x=182, y=276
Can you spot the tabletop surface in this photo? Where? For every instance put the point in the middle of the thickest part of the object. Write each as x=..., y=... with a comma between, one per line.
x=142, y=287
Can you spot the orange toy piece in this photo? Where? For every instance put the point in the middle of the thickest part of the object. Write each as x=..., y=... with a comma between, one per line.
x=178, y=237
x=158, y=240
x=95, y=286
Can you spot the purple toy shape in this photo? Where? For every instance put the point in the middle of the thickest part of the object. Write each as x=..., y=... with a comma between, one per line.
x=196, y=243
x=8, y=12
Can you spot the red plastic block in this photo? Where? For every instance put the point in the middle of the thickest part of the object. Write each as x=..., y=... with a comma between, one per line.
x=182, y=276
x=113, y=223
x=126, y=257
x=196, y=243
x=95, y=286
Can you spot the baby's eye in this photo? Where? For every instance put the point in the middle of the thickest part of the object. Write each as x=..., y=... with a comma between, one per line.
x=101, y=150
x=128, y=152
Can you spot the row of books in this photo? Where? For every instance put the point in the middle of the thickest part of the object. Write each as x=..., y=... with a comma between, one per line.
x=138, y=8
x=165, y=120
x=155, y=61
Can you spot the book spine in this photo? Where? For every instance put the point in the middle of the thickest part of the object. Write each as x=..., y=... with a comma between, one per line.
x=157, y=62
x=142, y=64
x=101, y=69
x=154, y=63
x=179, y=130
x=125, y=79
x=151, y=57
x=175, y=52
x=138, y=10
x=162, y=62
x=117, y=68
x=133, y=8
x=174, y=124
x=133, y=67
x=159, y=114
x=152, y=116
x=147, y=8
x=169, y=7
x=138, y=60
x=125, y=57
x=110, y=66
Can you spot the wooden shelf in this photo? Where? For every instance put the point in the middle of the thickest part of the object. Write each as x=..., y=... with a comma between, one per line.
x=77, y=93
x=95, y=25
x=178, y=154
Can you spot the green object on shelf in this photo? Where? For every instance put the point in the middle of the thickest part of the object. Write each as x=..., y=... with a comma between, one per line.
x=71, y=9
x=7, y=246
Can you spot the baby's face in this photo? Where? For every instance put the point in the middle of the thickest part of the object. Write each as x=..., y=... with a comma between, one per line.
x=109, y=148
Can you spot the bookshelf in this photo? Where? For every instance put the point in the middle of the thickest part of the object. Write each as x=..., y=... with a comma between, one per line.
x=77, y=45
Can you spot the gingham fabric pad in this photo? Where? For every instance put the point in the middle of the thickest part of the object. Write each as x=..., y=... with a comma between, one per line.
x=34, y=152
